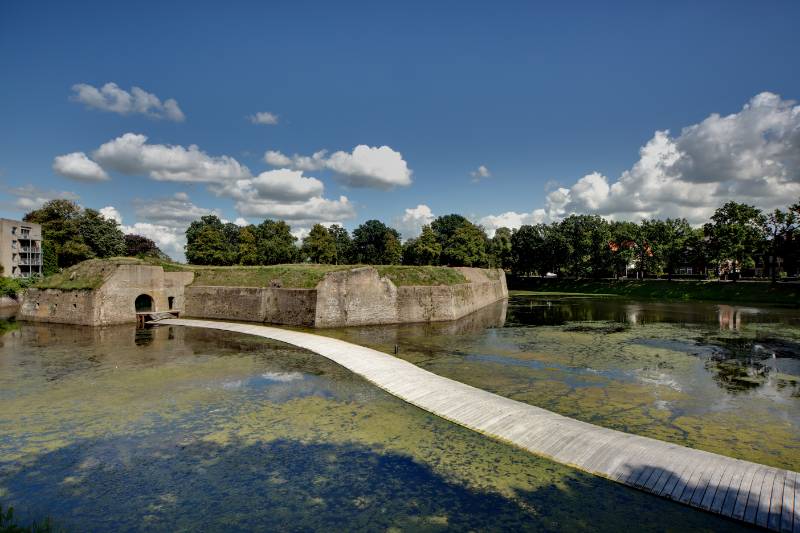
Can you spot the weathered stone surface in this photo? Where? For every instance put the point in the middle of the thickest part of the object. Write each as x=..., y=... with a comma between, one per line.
x=359, y=296
x=112, y=302
x=253, y=304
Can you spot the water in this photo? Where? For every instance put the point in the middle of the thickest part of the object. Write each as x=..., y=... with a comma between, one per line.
x=716, y=377
x=187, y=429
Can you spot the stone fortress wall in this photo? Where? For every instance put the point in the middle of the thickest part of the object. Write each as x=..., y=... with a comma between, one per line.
x=355, y=297
x=111, y=303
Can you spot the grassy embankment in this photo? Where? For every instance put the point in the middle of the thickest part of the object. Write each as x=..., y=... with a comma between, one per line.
x=739, y=292
x=306, y=276
x=91, y=274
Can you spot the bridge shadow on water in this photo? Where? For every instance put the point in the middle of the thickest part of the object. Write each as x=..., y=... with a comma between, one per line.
x=127, y=484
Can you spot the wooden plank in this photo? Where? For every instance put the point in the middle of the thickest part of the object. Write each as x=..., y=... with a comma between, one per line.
x=753, y=493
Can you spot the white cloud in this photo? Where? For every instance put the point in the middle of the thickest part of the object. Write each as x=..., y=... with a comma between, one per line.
x=110, y=97
x=315, y=161
x=410, y=224
x=511, y=220
x=480, y=173
x=285, y=194
x=30, y=197
x=130, y=154
x=264, y=117
x=164, y=220
x=169, y=240
x=751, y=156
x=313, y=210
x=177, y=211
x=78, y=167
x=366, y=166
x=287, y=185
x=277, y=159
x=110, y=212
x=241, y=222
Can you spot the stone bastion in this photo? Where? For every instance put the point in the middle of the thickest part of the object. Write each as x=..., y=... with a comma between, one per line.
x=354, y=297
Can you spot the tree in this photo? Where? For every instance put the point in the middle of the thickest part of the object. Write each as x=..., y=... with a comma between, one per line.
x=463, y=243
x=466, y=247
x=208, y=247
x=669, y=238
x=344, y=244
x=276, y=244
x=102, y=235
x=247, y=252
x=74, y=234
x=140, y=246
x=624, y=236
x=779, y=228
x=526, y=249
x=376, y=244
x=500, y=248
x=736, y=233
x=587, y=238
x=319, y=245
x=206, y=243
x=424, y=250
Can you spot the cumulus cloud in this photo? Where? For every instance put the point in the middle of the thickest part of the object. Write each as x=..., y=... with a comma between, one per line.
x=287, y=185
x=164, y=220
x=110, y=212
x=316, y=161
x=410, y=224
x=78, y=166
x=750, y=156
x=169, y=240
x=285, y=194
x=511, y=220
x=131, y=154
x=110, y=97
x=177, y=211
x=366, y=166
x=264, y=117
x=480, y=173
x=30, y=197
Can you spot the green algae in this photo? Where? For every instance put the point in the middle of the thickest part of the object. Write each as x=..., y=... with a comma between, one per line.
x=700, y=376
x=198, y=429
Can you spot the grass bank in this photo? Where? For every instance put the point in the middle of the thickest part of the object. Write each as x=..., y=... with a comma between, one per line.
x=739, y=292
x=88, y=274
x=306, y=276
x=92, y=273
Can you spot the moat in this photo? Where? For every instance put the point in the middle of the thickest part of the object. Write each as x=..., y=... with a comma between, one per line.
x=175, y=428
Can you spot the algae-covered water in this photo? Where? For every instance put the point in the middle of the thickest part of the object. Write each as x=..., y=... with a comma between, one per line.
x=180, y=429
x=715, y=377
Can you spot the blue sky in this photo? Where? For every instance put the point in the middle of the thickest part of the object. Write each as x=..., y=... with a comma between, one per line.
x=559, y=104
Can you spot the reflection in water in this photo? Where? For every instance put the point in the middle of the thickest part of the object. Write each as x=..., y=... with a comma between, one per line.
x=716, y=377
x=175, y=428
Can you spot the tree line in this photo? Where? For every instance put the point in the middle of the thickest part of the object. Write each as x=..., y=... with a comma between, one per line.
x=737, y=237
x=71, y=234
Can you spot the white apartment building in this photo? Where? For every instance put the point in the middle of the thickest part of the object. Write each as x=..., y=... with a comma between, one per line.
x=20, y=248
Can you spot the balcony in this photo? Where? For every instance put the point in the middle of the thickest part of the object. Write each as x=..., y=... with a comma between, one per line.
x=30, y=261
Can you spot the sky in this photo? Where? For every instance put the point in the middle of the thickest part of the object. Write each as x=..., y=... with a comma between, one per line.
x=338, y=112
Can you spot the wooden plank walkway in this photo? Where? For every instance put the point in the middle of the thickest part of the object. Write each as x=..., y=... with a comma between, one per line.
x=757, y=494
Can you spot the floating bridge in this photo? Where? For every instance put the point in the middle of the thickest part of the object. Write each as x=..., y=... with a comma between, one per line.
x=753, y=493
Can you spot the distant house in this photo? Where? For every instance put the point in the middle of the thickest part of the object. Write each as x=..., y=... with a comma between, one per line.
x=20, y=248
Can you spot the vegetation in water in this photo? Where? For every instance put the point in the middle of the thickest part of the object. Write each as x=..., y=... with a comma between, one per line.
x=765, y=293
x=8, y=523
x=201, y=429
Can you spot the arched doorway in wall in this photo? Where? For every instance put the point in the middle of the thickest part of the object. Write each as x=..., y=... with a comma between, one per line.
x=144, y=304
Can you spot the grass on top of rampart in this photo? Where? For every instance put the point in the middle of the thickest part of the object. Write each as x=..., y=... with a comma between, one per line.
x=739, y=292
x=92, y=273
x=306, y=276
x=89, y=274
